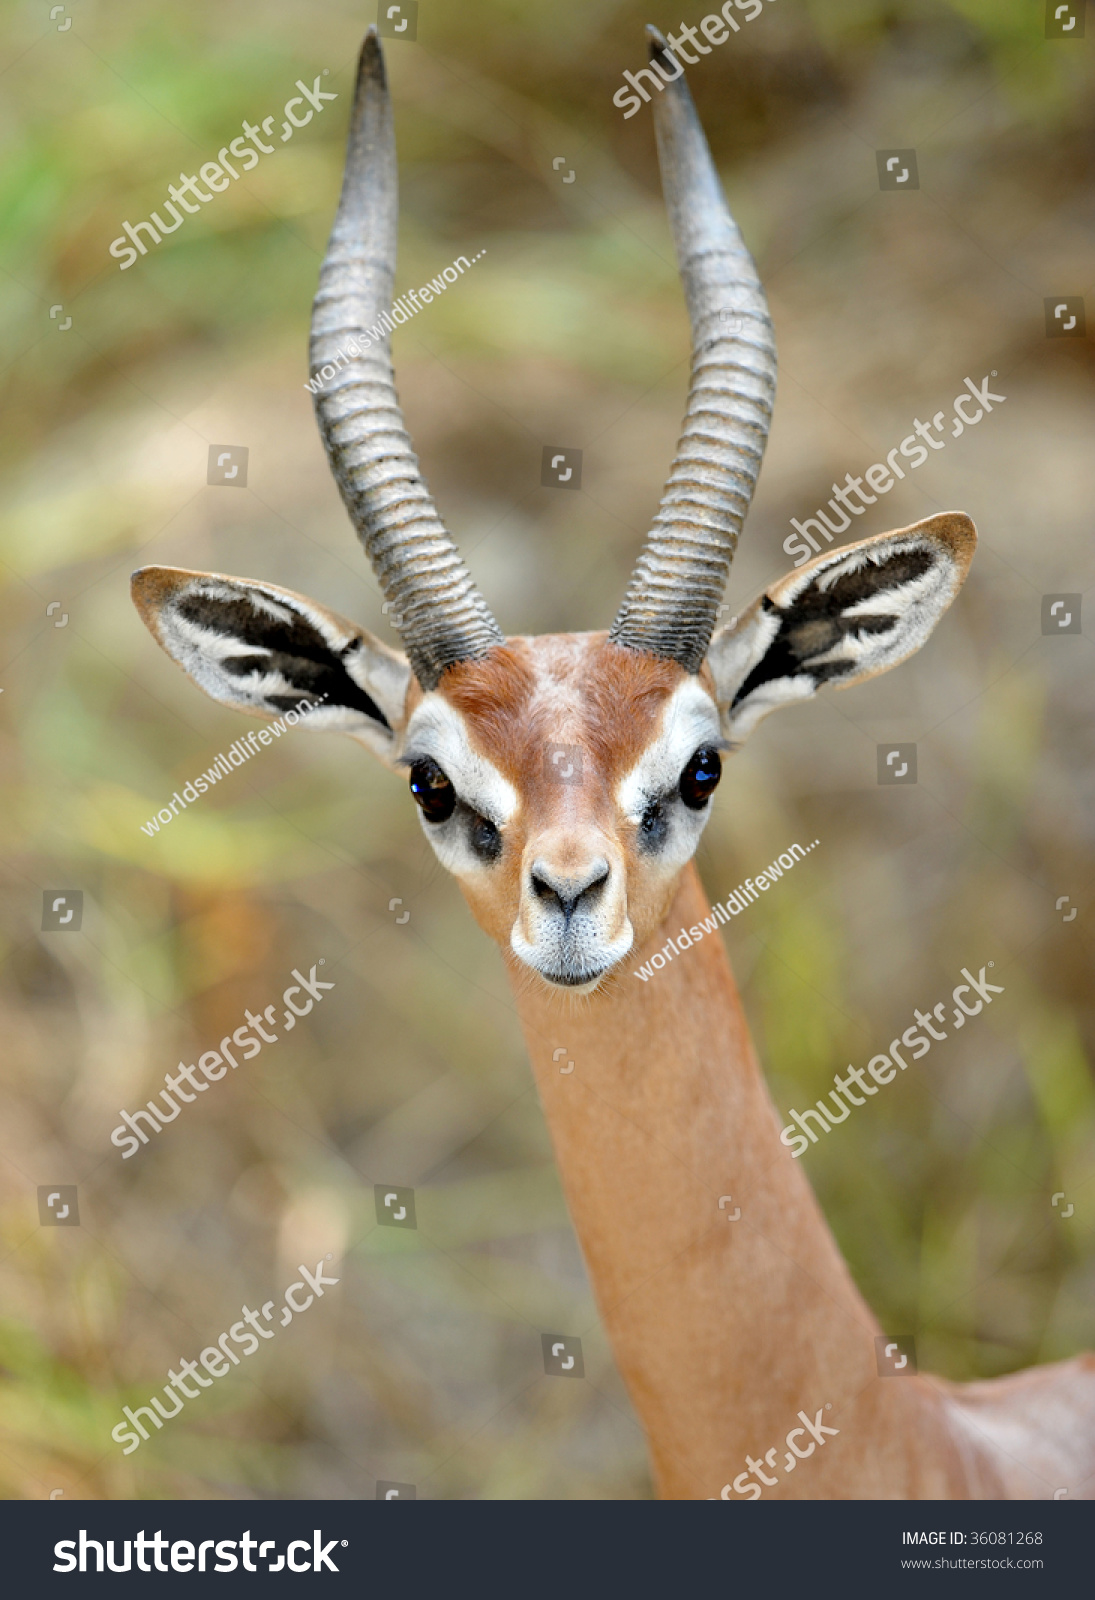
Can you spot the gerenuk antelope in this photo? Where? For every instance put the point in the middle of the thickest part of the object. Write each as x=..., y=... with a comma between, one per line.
x=723, y=1333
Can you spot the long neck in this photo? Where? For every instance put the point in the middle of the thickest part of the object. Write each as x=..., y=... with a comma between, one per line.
x=723, y=1327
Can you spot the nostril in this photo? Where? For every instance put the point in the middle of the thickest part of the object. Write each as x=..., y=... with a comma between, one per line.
x=569, y=893
x=595, y=885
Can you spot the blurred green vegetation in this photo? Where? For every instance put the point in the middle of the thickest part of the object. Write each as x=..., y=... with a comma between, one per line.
x=424, y=1366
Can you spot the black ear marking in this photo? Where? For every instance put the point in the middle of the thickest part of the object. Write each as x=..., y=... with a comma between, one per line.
x=815, y=621
x=847, y=615
x=287, y=643
x=265, y=650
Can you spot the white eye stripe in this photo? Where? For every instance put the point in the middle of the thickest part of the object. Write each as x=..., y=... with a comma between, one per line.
x=689, y=720
x=438, y=733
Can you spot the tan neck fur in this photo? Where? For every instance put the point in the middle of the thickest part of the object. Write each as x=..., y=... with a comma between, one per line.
x=723, y=1330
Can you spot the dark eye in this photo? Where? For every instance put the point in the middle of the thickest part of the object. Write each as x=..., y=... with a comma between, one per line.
x=432, y=791
x=700, y=778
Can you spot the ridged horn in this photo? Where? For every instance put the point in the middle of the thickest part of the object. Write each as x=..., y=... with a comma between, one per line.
x=439, y=612
x=673, y=597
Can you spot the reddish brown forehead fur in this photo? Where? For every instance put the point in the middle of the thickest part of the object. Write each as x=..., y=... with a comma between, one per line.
x=572, y=689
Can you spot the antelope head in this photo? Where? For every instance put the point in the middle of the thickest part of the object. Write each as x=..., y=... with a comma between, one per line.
x=564, y=780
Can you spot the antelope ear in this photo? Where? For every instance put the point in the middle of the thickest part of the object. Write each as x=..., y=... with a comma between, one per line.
x=841, y=618
x=265, y=650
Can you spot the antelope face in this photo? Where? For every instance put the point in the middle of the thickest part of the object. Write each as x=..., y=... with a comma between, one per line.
x=563, y=780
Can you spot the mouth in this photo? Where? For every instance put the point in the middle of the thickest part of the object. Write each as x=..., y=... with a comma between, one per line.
x=583, y=982
x=578, y=964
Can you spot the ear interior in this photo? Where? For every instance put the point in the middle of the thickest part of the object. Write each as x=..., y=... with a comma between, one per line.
x=266, y=650
x=843, y=617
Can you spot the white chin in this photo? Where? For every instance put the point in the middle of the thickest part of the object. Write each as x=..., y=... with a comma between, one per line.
x=578, y=975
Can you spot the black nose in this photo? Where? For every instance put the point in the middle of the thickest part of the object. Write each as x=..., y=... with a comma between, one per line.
x=568, y=893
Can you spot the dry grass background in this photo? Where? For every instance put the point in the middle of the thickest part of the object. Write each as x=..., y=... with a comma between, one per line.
x=424, y=1364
